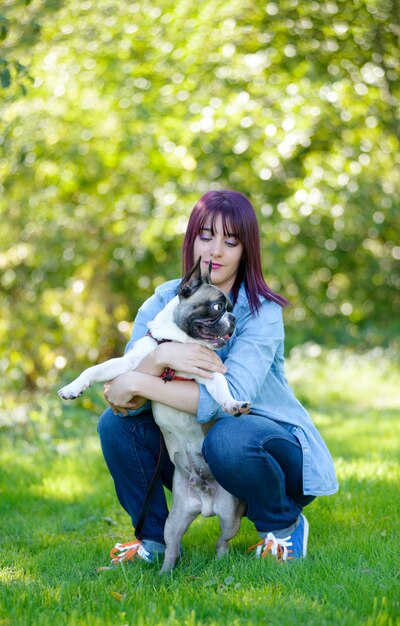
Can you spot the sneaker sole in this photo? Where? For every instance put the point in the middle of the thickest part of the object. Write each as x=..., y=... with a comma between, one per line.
x=305, y=535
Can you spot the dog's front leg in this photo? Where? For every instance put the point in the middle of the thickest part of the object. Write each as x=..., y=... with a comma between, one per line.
x=218, y=388
x=108, y=370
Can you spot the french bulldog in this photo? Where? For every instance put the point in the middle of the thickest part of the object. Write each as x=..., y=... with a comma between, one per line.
x=199, y=313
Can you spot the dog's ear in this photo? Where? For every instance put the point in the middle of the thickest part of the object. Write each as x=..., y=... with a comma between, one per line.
x=192, y=281
x=208, y=278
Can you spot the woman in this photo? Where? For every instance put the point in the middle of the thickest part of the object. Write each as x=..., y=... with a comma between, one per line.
x=273, y=458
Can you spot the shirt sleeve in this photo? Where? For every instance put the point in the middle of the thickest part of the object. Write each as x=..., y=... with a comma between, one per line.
x=249, y=359
x=147, y=312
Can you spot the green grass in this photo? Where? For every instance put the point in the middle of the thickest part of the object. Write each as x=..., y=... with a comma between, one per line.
x=55, y=494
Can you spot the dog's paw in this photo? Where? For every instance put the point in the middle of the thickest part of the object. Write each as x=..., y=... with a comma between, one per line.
x=71, y=391
x=236, y=407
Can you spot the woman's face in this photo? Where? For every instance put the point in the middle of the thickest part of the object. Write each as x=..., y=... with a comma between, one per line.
x=225, y=253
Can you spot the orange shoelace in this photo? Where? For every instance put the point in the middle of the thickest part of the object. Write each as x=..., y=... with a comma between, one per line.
x=127, y=552
x=279, y=548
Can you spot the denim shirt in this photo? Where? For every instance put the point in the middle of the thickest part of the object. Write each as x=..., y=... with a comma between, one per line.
x=254, y=357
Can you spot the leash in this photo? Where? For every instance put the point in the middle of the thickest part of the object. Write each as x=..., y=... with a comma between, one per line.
x=146, y=502
x=167, y=375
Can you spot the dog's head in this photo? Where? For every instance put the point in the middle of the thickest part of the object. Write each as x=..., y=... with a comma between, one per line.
x=204, y=311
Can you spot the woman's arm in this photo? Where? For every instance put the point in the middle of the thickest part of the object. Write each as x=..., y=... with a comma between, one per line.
x=191, y=358
x=252, y=352
x=126, y=392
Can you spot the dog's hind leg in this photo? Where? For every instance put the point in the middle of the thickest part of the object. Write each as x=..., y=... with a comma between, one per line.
x=230, y=511
x=183, y=511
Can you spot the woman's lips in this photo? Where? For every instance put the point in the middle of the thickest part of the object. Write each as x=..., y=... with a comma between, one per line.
x=214, y=266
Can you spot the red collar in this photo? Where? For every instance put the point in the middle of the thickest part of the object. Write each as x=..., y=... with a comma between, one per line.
x=168, y=374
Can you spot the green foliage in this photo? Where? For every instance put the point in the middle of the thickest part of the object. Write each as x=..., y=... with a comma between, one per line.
x=60, y=518
x=12, y=72
x=138, y=108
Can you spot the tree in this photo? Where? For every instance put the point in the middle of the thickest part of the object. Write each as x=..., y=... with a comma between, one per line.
x=137, y=109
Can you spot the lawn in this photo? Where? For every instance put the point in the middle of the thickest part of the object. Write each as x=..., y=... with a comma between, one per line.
x=60, y=517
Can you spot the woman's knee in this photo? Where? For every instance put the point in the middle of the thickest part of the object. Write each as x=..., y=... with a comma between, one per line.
x=221, y=446
x=118, y=432
x=116, y=429
x=104, y=423
x=233, y=441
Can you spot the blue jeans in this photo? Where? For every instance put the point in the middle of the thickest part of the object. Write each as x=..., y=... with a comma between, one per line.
x=252, y=457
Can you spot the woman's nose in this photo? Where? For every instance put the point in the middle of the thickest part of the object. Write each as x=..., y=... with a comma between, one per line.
x=216, y=247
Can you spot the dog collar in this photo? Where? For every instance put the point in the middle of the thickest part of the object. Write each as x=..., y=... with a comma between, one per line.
x=169, y=373
x=159, y=341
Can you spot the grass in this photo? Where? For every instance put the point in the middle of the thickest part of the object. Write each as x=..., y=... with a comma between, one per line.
x=59, y=518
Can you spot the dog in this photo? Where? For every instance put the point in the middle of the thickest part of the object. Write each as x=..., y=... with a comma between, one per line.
x=199, y=313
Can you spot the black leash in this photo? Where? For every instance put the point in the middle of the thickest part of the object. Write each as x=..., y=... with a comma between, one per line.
x=146, y=502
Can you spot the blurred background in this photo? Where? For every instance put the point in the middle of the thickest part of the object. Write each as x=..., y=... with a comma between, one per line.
x=117, y=116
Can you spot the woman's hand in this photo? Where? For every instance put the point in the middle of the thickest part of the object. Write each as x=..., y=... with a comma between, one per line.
x=120, y=393
x=191, y=358
x=124, y=392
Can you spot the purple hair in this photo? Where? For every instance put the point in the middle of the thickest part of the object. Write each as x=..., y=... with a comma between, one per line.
x=238, y=217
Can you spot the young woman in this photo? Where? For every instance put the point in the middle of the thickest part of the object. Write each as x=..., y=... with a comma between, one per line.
x=274, y=458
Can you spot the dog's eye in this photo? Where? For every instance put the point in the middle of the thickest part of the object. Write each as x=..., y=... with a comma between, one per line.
x=217, y=308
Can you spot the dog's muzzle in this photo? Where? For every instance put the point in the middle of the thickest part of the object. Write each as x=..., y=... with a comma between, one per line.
x=217, y=332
